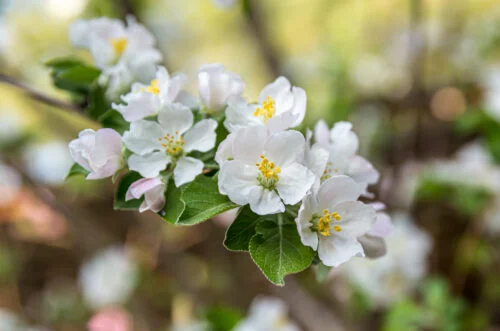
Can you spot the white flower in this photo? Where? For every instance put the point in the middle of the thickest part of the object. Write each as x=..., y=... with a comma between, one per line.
x=125, y=54
x=373, y=242
x=267, y=314
x=48, y=162
x=98, y=152
x=10, y=184
x=316, y=159
x=147, y=100
x=156, y=144
x=391, y=277
x=9, y=321
x=217, y=85
x=280, y=107
x=108, y=278
x=331, y=221
x=266, y=170
x=153, y=190
x=343, y=144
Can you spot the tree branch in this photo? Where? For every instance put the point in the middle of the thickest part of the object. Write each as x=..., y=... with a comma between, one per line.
x=38, y=96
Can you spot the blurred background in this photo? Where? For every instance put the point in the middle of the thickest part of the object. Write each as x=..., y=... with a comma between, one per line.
x=420, y=80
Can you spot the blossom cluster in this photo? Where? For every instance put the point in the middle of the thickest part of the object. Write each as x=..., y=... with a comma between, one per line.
x=251, y=148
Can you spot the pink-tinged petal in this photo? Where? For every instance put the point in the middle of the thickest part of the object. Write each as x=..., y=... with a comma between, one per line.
x=112, y=165
x=108, y=144
x=374, y=247
x=335, y=250
x=382, y=227
x=154, y=199
x=111, y=319
x=337, y=189
x=264, y=202
x=284, y=148
x=137, y=189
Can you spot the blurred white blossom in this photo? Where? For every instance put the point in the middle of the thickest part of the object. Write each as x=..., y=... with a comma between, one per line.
x=10, y=184
x=109, y=278
x=267, y=314
x=48, y=162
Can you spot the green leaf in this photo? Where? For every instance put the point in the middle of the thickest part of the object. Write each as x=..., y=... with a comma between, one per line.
x=277, y=249
x=203, y=201
x=77, y=169
x=114, y=120
x=76, y=78
x=63, y=63
x=121, y=191
x=240, y=232
x=222, y=318
x=470, y=122
x=96, y=104
x=175, y=205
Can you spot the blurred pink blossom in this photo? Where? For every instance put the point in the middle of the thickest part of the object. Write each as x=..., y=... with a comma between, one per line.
x=110, y=319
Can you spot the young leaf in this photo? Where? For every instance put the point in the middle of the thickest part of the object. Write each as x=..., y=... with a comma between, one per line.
x=97, y=104
x=174, y=206
x=63, y=63
x=240, y=232
x=114, y=120
x=277, y=249
x=121, y=191
x=222, y=318
x=203, y=201
x=76, y=79
x=77, y=169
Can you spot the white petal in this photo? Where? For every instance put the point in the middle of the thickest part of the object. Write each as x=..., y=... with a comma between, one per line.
x=264, y=202
x=284, y=148
x=294, y=182
x=249, y=144
x=109, y=168
x=239, y=114
x=236, y=179
x=306, y=211
x=337, y=189
x=321, y=133
x=334, y=250
x=344, y=140
x=282, y=122
x=139, y=105
x=137, y=189
x=108, y=144
x=382, y=227
x=316, y=159
x=201, y=137
x=216, y=86
x=225, y=150
x=154, y=199
x=299, y=105
x=177, y=82
x=279, y=91
x=362, y=171
x=186, y=169
x=175, y=117
x=373, y=247
x=142, y=138
x=356, y=218
x=149, y=165
x=79, y=33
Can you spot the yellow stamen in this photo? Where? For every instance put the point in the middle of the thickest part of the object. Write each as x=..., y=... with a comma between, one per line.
x=173, y=143
x=325, y=220
x=267, y=110
x=268, y=169
x=119, y=45
x=152, y=88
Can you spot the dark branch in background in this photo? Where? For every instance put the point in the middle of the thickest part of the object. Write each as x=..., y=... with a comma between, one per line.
x=38, y=96
x=253, y=15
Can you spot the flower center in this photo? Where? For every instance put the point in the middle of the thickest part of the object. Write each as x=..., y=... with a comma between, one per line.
x=152, y=88
x=327, y=173
x=325, y=220
x=269, y=172
x=119, y=45
x=173, y=143
x=267, y=110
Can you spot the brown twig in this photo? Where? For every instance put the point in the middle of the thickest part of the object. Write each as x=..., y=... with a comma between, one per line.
x=38, y=96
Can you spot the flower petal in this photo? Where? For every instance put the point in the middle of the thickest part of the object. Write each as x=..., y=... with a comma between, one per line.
x=201, y=137
x=109, y=168
x=239, y=114
x=249, y=143
x=142, y=138
x=362, y=171
x=299, y=105
x=356, y=218
x=139, y=105
x=225, y=150
x=186, y=169
x=337, y=189
x=306, y=211
x=335, y=250
x=236, y=179
x=294, y=182
x=264, y=202
x=382, y=227
x=154, y=199
x=279, y=91
x=108, y=144
x=137, y=189
x=374, y=247
x=149, y=165
x=286, y=147
x=321, y=133
x=175, y=117
x=344, y=140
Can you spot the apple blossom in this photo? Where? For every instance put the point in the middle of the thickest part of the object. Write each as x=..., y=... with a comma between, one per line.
x=167, y=141
x=280, y=107
x=99, y=152
x=267, y=314
x=343, y=144
x=266, y=170
x=153, y=190
x=147, y=100
x=48, y=162
x=216, y=86
x=332, y=220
